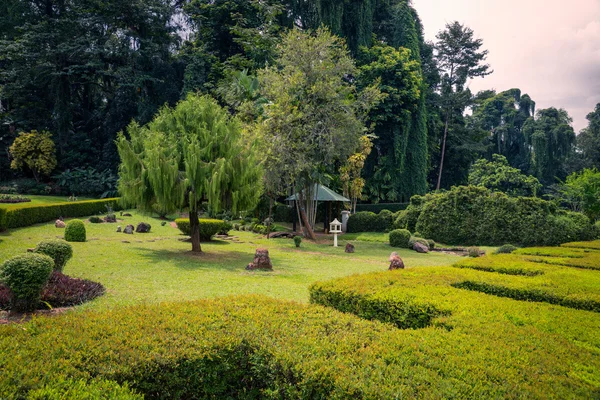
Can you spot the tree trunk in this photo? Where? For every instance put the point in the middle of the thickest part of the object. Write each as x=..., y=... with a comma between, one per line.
x=439, y=181
x=308, y=231
x=195, y=231
x=270, y=216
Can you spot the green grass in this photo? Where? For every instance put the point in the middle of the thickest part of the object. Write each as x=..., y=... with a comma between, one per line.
x=40, y=200
x=158, y=267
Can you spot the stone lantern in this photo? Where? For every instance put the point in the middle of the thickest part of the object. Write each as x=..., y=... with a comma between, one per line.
x=335, y=227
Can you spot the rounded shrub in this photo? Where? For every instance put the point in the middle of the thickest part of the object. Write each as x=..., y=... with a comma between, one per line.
x=183, y=224
x=297, y=240
x=474, y=252
x=506, y=249
x=59, y=250
x=431, y=243
x=26, y=276
x=415, y=239
x=75, y=231
x=363, y=221
x=95, y=220
x=399, y=238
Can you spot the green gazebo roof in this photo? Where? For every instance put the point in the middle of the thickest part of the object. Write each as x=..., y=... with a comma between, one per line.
x=322, y=194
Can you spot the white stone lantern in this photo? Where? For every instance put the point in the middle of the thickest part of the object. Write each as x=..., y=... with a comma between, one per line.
x=335, y=227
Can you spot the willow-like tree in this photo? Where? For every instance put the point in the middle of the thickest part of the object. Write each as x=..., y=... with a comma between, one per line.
x=188, y=154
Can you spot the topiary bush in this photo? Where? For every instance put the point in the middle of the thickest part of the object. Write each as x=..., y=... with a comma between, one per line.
x=297, y=240
x=95, y=220
x=366, y=221
x=208, y=227
x=400, y=238
x=25, y=275
x=506, y=249
x=474, y=252
x=59, y=250
x=75, y=231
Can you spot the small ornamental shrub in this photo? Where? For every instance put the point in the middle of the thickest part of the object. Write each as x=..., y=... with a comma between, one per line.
x=364, y=221
x=208, y=227
x=506, y=249
x=59, y=250
x=474, y=252
x=385, y=220
x=431, y=244
x=399, y=238
x=226, y=226
x=26, y=276
x=297, y=240
x=95, y=220
x=11, y=198
x=236, y=227
x=75, y=231
x=415, y=239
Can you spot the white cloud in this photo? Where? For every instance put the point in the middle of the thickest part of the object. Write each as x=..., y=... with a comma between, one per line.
x=549, y=49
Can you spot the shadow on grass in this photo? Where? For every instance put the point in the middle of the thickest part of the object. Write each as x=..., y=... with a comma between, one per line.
x=210, y=259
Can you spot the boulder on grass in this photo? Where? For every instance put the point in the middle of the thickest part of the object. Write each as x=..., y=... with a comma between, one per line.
x=119, y=228
x=395, y=262
x=261, y=261
x=59, y=223
x=129, y=229
x=349, y=248
x=420, y=248
x=143, y=228
x=126, y=215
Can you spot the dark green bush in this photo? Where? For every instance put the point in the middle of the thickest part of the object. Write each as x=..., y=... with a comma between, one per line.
x=431, y=243
x=415, y=239
x=208, y=227
x=377, y=208
x=399, y=238
x=385, y=219
x=506, y=249
x=75, y=231
x=29, y=214
x=95, y=220
x=366, y=221
x=59, y=250
x=474, y=252
x=469, y=215
x=297, y=240
x=26, y=276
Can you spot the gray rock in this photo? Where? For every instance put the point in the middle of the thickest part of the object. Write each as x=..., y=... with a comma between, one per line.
x=59, y=223
x=143, y=228
x=396, y=263
x=420, y=248
x=128, y=229
x=261, y=261
x=119, y=228
x=349, y=248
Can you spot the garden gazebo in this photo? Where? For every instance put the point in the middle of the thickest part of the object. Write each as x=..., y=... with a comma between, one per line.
x=324, y=194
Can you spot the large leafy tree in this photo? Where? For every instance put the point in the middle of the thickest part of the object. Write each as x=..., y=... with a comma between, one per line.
x=315, y=117
x=460, y=58
x=34, y=151
x=588, y=140
x=502, y=116
x=500, y=176
x=82, y=69
x=580, y=192
x=551, y=138
x=188, y=154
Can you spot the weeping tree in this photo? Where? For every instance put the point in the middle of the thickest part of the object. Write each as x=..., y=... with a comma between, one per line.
x=315, y=115
x=188, y=154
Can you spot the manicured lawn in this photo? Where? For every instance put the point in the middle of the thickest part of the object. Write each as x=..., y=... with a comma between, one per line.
x=158, y=267
x=41, y=200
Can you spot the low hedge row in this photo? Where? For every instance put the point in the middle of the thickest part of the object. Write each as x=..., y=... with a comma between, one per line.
x=255, y=347
x=503, y=339
x=377, y=208
x=367, y=221
x=208, y=227
x=30, y=214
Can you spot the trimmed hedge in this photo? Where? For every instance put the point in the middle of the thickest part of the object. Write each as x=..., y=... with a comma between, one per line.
x=30, y=214
x=59, y=250
x=366, y=221
x=377, y=208
x=25, y=275
x=75, y=231
x=208, y=227
x=470, y=215
x=400, y=238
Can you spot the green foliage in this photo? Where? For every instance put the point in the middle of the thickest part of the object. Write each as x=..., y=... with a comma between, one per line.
x=59, y=250
x=12, y=198
x=208, y=227
x=431, y=244
x=580, y=192
x=376, y=208
x=506, y=249
x=87, y=181
x=400, y=238
x=195, y=150
x=26, y=275
x=588, y=140
x=470, y=215
x=498, y=175
x=417, y=239
x=95, y=219
x=29, y=214
x=408, y=218
x=364, y=221
x=69, y=389
x=474, y=252
x=35, y=151
x=75, y=231
x=297, y=240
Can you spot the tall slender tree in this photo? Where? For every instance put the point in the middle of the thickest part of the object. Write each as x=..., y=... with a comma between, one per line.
x=459, y=58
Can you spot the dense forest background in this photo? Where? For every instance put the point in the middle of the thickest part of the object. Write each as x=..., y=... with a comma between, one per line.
x=84, y=69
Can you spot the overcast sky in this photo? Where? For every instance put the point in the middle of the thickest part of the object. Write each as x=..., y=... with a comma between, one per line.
x=549, y=49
